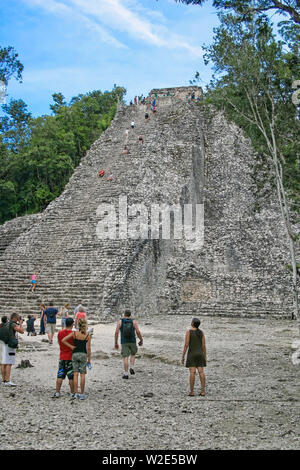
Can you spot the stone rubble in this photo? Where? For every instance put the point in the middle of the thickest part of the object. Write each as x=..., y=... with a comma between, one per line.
x=252, y=392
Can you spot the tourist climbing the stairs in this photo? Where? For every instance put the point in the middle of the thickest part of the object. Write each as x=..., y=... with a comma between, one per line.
x=33, y=282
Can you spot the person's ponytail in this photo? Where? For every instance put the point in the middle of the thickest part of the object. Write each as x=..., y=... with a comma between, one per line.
x=82, y=325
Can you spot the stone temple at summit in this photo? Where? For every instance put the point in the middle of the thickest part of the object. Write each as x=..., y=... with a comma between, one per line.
x=190, y=157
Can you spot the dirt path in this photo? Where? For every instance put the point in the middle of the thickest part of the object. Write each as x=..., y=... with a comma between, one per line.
x=252, y=395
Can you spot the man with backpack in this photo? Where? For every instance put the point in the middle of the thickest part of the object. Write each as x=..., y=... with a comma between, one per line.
x=8, y=346
x=128, y=329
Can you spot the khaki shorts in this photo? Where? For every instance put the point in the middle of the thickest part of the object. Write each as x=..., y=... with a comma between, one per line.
x=79, y=361
x=129, y=349
x=50, y=328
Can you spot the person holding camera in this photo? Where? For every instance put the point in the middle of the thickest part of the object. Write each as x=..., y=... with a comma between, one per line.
x=9, y=346
x=128, y=329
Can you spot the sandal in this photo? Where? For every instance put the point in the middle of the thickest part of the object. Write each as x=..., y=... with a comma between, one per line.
x=202, y=394
x=191, y=394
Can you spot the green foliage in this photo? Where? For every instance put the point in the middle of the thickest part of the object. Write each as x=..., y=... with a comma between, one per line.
x=244, y=9
x=10, y=66
x=38, y=155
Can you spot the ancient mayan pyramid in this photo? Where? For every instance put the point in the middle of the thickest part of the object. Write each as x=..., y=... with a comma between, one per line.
x=190, y=155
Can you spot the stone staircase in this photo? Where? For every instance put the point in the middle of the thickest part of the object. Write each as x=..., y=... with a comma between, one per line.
x=188, y=155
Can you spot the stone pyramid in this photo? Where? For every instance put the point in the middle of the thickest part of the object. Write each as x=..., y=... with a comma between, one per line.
x=189, y=155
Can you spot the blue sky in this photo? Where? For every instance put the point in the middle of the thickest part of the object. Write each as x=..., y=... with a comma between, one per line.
x=76, y=46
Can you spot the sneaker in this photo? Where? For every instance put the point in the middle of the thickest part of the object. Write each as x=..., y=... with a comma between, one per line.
x=82, y=396
x=125, y=376
x=9, y=384
x=131, y=371
x=56, y=395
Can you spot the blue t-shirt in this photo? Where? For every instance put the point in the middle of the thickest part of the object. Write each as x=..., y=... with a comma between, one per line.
x=51, y=313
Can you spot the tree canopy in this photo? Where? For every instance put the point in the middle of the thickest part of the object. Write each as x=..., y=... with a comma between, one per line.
x=10, y=66
x=245, y=8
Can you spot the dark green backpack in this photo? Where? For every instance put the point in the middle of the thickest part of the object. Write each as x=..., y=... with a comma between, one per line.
x=4, y=333
x=127, y=328
x=7, y=335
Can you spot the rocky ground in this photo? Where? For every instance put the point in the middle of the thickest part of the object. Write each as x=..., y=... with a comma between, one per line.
x=252, y=395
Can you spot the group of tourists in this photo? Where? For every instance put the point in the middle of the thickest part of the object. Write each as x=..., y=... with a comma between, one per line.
x=192, y=97
x=138, y=100
x=74, y=341
x=74, y=338
x=75, y=352
x=151, y=104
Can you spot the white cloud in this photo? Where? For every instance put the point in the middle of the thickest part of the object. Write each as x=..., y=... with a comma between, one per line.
x=122, y=16
x=59, y=8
